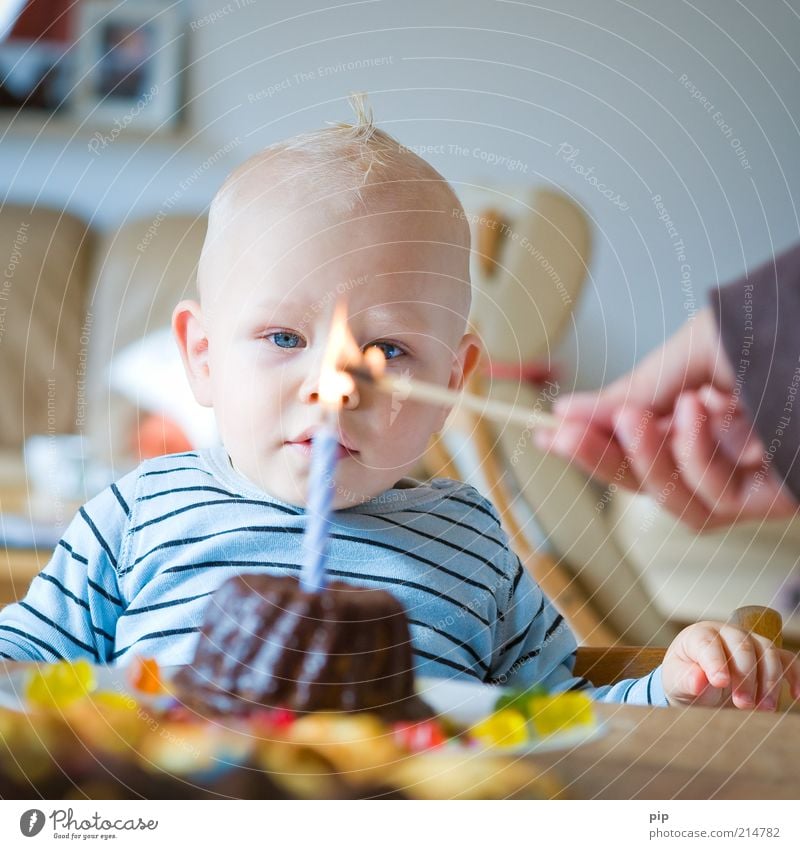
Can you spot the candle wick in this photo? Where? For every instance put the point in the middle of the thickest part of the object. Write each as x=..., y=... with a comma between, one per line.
x=330, y=418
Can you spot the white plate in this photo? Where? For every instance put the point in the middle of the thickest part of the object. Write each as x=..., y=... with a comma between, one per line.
x=463, y=702
x=109, y=678
x=467, y=702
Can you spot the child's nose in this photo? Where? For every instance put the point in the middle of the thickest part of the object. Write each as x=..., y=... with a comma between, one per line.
x=309, y=394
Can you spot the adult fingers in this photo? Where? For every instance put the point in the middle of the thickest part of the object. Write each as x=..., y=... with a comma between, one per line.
x=733, y=429
x=705, y=470
x=598, y=453
x=649, y=455
x=691, y=358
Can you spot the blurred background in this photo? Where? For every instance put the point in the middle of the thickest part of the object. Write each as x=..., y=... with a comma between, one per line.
x=510, y=79
x=643, y=152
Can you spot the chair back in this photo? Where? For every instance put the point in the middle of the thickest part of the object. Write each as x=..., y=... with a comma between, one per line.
x=528, y=274
x=43, y=333
x=141, y=272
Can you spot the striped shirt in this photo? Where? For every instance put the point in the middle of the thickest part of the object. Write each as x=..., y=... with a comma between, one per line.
x=134, y=570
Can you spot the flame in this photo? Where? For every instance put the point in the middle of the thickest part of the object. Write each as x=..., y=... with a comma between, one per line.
x=375, y=361
x=341, y=351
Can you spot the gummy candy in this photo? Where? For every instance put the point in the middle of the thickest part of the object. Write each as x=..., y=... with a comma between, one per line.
x=281, y=718
x=506, y=727
x=419, y=736
x=145, y=676
x=115, y=701
x=561, y=712
x=60, y=684
x=520, y=700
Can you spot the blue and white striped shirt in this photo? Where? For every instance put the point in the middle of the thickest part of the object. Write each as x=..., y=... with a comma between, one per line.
x=136, y=566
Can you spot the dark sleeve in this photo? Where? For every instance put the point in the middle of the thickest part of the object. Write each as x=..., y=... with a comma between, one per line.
x=759, y=321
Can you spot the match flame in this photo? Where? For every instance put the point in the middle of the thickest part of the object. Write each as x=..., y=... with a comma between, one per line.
x=342, y=351
x=375, y=361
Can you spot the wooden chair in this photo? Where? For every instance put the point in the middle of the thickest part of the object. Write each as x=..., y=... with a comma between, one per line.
x=529, y=258
x=529, y=267
x=615, y=663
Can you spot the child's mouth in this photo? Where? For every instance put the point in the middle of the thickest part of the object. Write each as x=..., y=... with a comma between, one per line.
x=305, y=445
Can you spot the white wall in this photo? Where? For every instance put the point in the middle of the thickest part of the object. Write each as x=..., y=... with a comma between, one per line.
x=512, y=79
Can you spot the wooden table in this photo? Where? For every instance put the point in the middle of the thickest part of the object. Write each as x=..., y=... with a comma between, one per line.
x=661, y=753
x=683, y=753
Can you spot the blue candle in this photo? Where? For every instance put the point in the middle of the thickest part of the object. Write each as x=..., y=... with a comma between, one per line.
x=324, y=451
x=334, y=387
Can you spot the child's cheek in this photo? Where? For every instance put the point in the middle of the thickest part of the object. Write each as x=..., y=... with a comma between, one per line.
x=406, y=439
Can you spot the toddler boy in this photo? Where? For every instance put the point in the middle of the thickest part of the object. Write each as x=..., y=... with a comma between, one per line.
x=345, y=211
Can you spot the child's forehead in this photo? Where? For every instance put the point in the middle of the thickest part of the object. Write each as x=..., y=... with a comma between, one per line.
x=369, y=298
x=306, y=247
x=361, y=254
x=273, y=191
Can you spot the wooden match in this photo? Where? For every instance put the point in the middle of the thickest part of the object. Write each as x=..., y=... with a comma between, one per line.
x=423, y=391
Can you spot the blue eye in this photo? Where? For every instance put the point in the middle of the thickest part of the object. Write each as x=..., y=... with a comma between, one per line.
x=285, y=339
x=388, y=349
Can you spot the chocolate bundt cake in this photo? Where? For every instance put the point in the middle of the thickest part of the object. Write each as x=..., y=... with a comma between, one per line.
x=266, y=642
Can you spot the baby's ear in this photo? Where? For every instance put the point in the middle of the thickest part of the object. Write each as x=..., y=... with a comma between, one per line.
x=467, y=357
x=190, y=334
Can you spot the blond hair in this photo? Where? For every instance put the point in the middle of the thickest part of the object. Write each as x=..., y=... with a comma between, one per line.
x=342, y=164
x=341, y=160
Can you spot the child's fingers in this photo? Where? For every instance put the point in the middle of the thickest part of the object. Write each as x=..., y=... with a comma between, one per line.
x=712, y=657
x=715, y=657
x=756, y=666
x=744, y=654
x=770, y=672
x=791, y=672
x=692, y=686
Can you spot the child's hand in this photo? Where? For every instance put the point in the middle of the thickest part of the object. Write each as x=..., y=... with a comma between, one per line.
x=713, y=664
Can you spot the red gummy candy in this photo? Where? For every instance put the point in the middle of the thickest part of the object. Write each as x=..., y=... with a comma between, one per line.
x=419, y=736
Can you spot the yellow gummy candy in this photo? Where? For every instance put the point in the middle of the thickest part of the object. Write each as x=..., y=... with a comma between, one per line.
x=507, y=727
x=60, y=684
x=551, y=714
x=116, y=701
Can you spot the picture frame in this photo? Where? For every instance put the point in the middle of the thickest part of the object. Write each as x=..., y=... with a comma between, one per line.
x=35, y=61
x=128, y=64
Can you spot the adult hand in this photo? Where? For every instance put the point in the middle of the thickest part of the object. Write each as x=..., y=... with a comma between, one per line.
x=674, y=429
